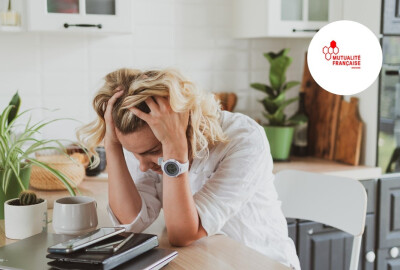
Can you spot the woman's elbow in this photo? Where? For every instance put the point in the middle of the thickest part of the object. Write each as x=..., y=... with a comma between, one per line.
x=180, y=242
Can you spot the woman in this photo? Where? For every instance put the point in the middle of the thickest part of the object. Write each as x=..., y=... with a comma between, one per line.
x=168, y=145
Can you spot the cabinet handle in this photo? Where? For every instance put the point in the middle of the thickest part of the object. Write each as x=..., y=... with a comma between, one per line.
x=310, y=231
x=392, y=72
x=66, y=25
x=394, y=252
x=305, y=30
x=370, y=256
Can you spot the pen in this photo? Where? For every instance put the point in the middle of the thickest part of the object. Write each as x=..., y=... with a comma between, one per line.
x=108, y=244
x=123, y=242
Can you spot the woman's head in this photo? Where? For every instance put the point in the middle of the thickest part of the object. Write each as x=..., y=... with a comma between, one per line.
x=203, y=128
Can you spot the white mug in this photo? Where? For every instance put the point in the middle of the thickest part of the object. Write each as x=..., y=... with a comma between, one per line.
x=74, y=215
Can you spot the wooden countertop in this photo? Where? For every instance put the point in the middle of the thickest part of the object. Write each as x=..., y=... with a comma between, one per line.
x=215, y=252
x=317, y=165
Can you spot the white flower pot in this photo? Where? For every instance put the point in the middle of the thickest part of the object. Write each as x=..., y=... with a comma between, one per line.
x=22, y=221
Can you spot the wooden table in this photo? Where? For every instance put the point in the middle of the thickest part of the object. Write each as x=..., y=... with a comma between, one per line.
x=215, y=252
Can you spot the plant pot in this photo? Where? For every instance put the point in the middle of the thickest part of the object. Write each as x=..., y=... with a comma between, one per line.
x=22, y=221
x=280, y=141
x=14, y=189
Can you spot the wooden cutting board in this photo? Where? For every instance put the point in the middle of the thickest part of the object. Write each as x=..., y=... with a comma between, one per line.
x=322, y=108
x=349, y=133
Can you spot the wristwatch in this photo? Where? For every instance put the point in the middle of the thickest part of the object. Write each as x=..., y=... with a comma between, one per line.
x=172, y=167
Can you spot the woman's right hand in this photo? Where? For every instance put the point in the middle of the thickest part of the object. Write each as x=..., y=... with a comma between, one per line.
x=110, y=136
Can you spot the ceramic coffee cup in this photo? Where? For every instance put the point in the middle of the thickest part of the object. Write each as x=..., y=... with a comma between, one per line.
x=74, y=215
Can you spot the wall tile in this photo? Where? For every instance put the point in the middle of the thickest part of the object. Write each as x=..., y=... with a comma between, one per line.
x=230, y=81
x=64, y=53
x=19, y=52
x=195, y=59
x=154, y=37
x=194, y=38
x=155, y=12
x=231, y=60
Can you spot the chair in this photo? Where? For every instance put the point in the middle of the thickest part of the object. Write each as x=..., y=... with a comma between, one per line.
x=335, y=201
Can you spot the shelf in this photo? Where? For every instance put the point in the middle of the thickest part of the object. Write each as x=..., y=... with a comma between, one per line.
x=6, y=28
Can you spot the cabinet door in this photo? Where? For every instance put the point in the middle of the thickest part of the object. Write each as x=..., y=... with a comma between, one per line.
x=386, y=261
x=101, y=16
x=389, y=212
x=292, y=229
x=370, y=189
x=324, y=247
x=283, y=18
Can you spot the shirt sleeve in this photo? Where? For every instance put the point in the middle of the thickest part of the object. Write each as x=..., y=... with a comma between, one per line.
x=151, y=203
x=235, y=180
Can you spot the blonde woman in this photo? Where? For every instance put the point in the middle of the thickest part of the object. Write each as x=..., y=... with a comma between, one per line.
x=169, y=146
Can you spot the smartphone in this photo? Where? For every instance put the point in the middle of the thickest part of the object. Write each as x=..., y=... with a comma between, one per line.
x=85, y=240
x=110, y=247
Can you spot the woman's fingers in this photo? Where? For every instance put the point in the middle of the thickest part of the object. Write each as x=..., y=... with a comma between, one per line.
x=111, y=101
x=152, y=104
x=163, y=103
x=142, y=115
x=114, y=98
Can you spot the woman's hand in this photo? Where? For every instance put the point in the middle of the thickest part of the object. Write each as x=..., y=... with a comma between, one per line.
x=110, y=136
x=168, y=126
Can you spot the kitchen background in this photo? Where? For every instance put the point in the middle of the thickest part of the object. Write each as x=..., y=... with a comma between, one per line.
x=64, y=70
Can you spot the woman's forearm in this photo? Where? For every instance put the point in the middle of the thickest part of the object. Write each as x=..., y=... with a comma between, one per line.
x=181, y=217
x=123, y=196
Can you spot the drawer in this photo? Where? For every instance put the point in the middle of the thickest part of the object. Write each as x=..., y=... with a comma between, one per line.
x=324, y=247
x=389, y=212
x=385, y=261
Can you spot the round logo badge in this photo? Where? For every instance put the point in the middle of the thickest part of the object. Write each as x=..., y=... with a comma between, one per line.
x=344, y=57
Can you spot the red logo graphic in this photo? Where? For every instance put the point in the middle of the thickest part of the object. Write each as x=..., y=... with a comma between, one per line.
x=332, y=52
x=332, y=49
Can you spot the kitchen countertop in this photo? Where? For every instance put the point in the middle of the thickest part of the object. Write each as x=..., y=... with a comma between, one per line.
x=317, y=165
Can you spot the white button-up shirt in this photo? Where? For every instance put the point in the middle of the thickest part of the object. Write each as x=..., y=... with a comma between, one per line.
x=233, y=191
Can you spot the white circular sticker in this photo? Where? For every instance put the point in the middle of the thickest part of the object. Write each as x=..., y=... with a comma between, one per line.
x=344, y=57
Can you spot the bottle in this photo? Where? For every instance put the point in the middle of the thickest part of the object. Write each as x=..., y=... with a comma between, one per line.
x=300, y=132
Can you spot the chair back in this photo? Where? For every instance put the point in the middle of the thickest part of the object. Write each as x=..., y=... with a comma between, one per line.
x=336, y=201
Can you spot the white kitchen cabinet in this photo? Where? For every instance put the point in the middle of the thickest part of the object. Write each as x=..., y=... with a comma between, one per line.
x=98, y=16
x=283, y=18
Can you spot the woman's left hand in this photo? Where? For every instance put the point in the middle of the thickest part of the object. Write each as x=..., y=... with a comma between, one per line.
x=168, y=126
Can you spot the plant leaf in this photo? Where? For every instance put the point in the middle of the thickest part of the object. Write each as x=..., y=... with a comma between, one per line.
x=269, y=105
x=263, y=88
x=16, y=103
x=271, y=56
x=289, y=85
x=277, y=74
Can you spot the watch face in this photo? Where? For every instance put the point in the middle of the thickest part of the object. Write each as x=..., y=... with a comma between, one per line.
x=171, y=168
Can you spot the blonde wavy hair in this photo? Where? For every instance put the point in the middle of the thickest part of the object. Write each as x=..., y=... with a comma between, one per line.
x=203, y=131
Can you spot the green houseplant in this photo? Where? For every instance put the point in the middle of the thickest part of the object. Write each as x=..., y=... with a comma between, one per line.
x=279, y=130
x=17, y=150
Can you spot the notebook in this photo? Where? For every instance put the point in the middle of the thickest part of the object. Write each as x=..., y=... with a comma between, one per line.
x=138, y=244
x=30, y=253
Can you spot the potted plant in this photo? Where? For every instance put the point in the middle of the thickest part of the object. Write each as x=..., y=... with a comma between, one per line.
x=16, y=152
x=25, y=216
x=279, y=130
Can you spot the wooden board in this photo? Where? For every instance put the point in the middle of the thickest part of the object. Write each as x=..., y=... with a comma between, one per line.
x=322, y=108
x=349, y=133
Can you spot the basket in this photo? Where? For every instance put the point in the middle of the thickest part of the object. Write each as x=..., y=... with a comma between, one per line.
x=43, y=179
